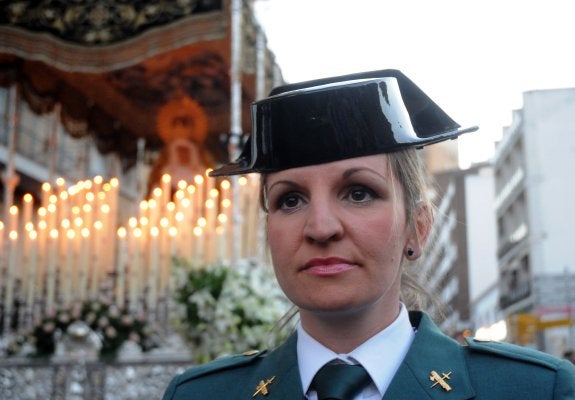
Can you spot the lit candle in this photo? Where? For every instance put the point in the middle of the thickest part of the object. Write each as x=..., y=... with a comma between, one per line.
x=46, y=192
x=211, y=222
x=166, y=190
x=32, y=263
x=51, y=278
x=136, y=273
x=154, y=268
x=84, y=262
x=172, y=234
x=28, y=205
x=1, y=239
x=198, y=241
x=241, y=214
x=227, y=223
x=120, y=266
x=9, y=293
x=13, y=218
x=95, y=266
x=199, y=197
x=68, y=271
x=42, y=250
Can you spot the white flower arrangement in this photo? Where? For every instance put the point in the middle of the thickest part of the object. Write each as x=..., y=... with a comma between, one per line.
x=228, y=309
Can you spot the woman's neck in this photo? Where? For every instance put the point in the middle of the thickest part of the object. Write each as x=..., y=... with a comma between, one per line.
x=343, y=332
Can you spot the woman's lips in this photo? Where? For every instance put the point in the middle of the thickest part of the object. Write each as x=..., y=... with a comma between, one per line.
x=328, y=266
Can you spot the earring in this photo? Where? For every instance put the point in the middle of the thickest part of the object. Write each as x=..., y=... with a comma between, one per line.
x=410, y=252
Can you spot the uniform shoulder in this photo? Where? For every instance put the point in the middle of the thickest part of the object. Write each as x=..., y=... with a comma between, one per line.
x=513, y=352
x=220, y=364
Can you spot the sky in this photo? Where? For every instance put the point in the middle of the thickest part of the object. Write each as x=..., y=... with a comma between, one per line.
x=474, y=58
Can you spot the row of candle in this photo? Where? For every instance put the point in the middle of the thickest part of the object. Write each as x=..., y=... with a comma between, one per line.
x=71, y=243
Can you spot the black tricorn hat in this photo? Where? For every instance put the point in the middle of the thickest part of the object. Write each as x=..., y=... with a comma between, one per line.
x=332, y=119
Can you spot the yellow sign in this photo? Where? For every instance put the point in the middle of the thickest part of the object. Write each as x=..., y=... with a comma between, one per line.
x=554, y=323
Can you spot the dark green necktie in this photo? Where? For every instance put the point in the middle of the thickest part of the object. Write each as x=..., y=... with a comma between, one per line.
x=339, y=381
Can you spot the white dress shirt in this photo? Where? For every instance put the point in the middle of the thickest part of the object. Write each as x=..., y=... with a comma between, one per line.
x=381, y=356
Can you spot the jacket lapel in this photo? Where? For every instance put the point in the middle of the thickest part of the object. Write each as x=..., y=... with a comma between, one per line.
x=431, y=351
x=281, y=365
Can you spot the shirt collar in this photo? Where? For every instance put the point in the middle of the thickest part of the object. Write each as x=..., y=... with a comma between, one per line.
x=381, y=355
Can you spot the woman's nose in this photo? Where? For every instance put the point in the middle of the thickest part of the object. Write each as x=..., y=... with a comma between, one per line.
x=323, y=224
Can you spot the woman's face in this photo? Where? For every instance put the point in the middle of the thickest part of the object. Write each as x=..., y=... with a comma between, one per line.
x=337, y=234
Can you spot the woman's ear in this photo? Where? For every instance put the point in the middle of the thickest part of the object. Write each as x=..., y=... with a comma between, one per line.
x=422, y=222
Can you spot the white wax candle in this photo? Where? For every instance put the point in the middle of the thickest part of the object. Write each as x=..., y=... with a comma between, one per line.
x=120, y=266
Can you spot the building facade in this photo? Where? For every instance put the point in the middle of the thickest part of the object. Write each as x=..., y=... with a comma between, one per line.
x=533, y=170
x=460, y=265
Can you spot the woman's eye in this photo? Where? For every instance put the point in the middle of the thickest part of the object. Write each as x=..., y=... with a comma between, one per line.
x=361, y=194
x=289, y=201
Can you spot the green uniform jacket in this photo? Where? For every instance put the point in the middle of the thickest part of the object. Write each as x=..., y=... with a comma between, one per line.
x=480, y=370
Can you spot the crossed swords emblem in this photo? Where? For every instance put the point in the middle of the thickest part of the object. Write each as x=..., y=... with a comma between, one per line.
x=440, y=380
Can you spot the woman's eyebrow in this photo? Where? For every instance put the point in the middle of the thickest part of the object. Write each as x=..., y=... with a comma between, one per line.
x=285, y=182
x=349, y=172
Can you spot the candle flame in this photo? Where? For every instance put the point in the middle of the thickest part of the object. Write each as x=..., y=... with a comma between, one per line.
x=13, y=235
x=122, y=232
x=226, y=184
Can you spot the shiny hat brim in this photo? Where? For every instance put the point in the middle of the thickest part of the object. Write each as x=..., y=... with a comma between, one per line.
x=338, y=118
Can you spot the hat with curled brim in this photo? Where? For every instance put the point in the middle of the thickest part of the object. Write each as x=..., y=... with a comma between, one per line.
x=332, y=119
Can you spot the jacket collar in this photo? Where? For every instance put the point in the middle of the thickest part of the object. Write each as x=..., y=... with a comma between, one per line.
x=281, y=364
x=431, y=351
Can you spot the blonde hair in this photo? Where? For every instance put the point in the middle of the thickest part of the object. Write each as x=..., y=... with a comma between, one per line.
x=407, y=167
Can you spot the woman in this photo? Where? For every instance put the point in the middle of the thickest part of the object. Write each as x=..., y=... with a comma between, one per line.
x=346, y=209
